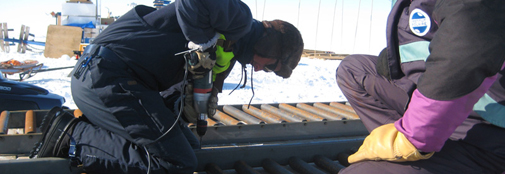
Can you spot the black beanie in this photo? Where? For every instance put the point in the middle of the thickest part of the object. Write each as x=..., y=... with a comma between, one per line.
x=282, y=41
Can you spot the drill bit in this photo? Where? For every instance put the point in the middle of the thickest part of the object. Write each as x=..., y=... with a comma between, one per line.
x=201, y=137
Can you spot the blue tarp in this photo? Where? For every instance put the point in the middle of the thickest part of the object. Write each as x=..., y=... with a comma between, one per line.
x=88, y=25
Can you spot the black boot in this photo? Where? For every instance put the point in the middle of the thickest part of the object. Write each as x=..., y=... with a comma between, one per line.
x=56, y=127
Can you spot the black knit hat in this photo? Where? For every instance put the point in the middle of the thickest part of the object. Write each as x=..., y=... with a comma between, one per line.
x=282, y=41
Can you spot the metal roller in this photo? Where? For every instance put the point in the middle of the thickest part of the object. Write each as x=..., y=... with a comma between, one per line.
x=327, y=164
x=320, y=112
x=77, y=113
x=302, y=167
x=242, y=168
x=268, y=117
x=283, y=114
x=226, y=119
x=305, y=114
x=342, y=106
x=212, y=168
x=4, y=120
x=341, y=112
x=343, y=158
x=30, y=126
x=211, y=122
x=249, y=119
x=273, y=167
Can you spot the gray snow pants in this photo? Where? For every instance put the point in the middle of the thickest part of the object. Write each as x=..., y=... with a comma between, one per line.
x=475, y=147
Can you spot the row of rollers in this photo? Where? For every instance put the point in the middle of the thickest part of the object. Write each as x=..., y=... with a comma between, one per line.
x=322, y=165
x=30, y=122
x=285, y=113
x=231, y=115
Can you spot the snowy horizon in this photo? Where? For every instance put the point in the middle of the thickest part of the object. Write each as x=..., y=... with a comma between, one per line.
x=313, y=80
x=344, y=27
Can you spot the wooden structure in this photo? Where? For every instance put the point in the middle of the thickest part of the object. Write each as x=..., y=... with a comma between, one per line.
x=23, y=36
x=80, y=1
x=4, y=34
x=322, y=54
x=23, y=41
x=62, y=40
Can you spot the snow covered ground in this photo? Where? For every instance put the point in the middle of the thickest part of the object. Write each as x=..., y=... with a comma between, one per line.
x=313, y=80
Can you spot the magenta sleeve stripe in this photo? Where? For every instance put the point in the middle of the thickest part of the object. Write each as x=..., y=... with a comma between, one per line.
x=428, y=123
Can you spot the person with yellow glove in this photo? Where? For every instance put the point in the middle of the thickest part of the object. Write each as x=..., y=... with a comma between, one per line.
x=433, y=99
x=386, y=143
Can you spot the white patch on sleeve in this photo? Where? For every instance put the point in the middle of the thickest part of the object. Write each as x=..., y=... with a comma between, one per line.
x=419, y=22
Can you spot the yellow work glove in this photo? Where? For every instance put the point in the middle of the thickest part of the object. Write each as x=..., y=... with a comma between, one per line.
x=387, y=143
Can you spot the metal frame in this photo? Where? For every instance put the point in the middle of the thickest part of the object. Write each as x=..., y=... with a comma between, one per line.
x=282, y=132
x=224, y=146
x=226, y=156
x=224, y=135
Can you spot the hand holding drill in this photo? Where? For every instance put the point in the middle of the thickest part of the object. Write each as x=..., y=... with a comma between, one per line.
x=201, y=97
x=190, y=112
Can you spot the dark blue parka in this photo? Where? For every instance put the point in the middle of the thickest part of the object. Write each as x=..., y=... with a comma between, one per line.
x=147, y=39
x=122, y=94
x=120, y=91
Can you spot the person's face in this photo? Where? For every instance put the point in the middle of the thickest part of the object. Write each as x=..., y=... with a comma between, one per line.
x=266, y=64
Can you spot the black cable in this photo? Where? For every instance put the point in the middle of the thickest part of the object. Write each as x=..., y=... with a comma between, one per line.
x=181, y=106
x=252, y=88
x=149, y=160
x=176, y=120
x=241, y=77
x=245, y=77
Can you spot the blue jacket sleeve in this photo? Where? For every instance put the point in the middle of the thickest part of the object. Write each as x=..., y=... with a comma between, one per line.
x=201, y=19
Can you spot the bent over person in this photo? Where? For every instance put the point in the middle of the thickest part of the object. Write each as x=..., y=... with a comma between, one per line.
x=129, y=83
x=433, y=99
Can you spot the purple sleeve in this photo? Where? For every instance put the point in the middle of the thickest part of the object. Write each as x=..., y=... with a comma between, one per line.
x=428, y=123
x=466, y=54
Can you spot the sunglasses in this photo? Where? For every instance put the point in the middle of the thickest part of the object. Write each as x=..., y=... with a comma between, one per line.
x=271, y=67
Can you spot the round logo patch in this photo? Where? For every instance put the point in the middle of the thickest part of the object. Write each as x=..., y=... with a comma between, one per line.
x=419, y=22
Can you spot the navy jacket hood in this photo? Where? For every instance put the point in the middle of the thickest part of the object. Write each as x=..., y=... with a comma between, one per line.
x=244, y=47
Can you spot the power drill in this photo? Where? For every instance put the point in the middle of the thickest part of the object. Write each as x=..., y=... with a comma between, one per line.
x=202, y=88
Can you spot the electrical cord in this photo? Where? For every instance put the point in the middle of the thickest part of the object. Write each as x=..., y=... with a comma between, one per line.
x=181, y=106
x=176, y=120
x=148, y=160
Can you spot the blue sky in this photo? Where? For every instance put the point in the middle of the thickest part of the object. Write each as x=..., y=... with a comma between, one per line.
x=342, y=26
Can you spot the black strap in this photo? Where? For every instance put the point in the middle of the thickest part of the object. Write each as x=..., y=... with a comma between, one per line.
x=90, y=52
x=106, y=53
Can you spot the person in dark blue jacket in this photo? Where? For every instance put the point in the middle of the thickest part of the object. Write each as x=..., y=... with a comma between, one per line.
x=129, y=83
